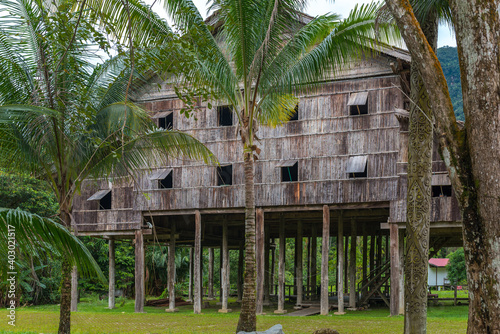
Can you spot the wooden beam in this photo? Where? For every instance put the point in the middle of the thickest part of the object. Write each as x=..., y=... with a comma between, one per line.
x=314, y=253
x=300, y=267
x=325, y=250
x=191, y=272
x=352, y=266
x=211, y=273
x=139, y=272
x=281, y=270
x=259, y=258
x=273, y=269
x=340, y=265
x=225, y=270
x=171, y=270
x=74, y=289
x=197, y=263
x=394, y=270
x=365, y=254
x=267, y=247
x=111, y=281
x=241, y=253
x=401, y=272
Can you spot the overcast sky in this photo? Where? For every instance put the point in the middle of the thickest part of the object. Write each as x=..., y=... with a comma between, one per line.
x=318, y=7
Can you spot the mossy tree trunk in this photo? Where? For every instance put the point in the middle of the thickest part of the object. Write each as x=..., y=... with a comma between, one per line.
x=472, y=155
x=419, y=195
x=66, y=269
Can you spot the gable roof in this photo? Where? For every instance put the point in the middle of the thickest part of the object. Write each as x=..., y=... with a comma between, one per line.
x=434, y=262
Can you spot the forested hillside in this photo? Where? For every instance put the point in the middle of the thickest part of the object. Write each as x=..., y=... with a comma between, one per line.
x=448, y=57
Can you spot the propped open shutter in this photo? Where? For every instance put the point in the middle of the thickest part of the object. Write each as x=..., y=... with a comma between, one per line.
x=287, y=163
x=99, y=195
x=161, y=114
x=160, y=174
x=357, y=164
x=358, y=99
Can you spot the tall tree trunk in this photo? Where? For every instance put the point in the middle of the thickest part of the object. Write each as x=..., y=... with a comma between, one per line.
x=419, y=194
x=478, y=36
x=66, y=269
x=472, y=158
x=248, y=319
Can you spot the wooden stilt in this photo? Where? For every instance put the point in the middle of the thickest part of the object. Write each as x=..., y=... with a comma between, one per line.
x=352, y=266
x=281, y=270
x=365, y=256
x=197, y=263
x=111, y=289
x=191, y=272
x=266, y=265
x=225, y=270
x=346, y=264
x=340, y=265
x=273, y=268
x=314, y=252
x=300, y=267
x=171, y=270
x=259, y=257
x=211, y=273
x=372, y=253
x=74, y=289
x=308, y=276
x=401, y=272
x=394, y=269
x=325, y=250
x=139, y=272
x=240, y=271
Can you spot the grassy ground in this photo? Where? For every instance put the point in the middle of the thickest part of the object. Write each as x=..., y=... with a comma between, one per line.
x=93, y=317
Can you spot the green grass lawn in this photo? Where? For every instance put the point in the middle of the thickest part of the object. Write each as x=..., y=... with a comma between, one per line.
x=93, y=317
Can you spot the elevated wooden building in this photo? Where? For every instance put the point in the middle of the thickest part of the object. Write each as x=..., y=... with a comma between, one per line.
x=337, y=171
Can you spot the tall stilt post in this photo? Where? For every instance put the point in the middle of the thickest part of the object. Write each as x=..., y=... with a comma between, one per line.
x=346, y=264
x=259, y=257
x=211, y=273
x=300, y=268
x=191, y=272
x=273, y=267
x=394, y=269
x=325, y=250
x=171, y=270
x=197, y=263
x=266, y=265
x=340, y=265
x=240, y=271
x=314, y=253
x=352, y=265
x=111, y=289
x=365, y=256
x=281, y=270
x=74, y=289
x=139, y=272
x=225, y=269
x=401, y=272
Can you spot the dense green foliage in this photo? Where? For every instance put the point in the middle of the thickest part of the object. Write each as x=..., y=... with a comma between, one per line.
x=457, y=273
x=448, y=57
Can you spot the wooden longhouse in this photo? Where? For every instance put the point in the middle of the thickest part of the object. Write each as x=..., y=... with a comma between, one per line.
x=337, y=171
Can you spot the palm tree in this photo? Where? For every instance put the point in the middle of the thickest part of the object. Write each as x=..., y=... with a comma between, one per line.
x=63, y=118
x=250, y=64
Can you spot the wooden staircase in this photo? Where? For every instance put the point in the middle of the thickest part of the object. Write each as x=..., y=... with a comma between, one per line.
x=377, y=278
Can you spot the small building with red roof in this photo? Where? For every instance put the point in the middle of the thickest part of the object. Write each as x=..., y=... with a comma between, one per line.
x=437, y=275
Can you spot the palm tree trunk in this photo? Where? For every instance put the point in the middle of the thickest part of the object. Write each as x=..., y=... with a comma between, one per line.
x=248, y=319
x=66, y=269
x=419, y=195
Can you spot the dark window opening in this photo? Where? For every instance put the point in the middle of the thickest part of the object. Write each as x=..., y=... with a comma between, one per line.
x=360, y=174
x=166, y=183
x=290, y=174
x=441, y=191
x=295, y=116
x=225, y=175
x=225, y=115
x=361, y=109
x=105, y=202
x=166, y=122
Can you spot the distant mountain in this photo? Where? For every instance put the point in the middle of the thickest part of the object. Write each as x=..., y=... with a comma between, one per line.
x=448, y=57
